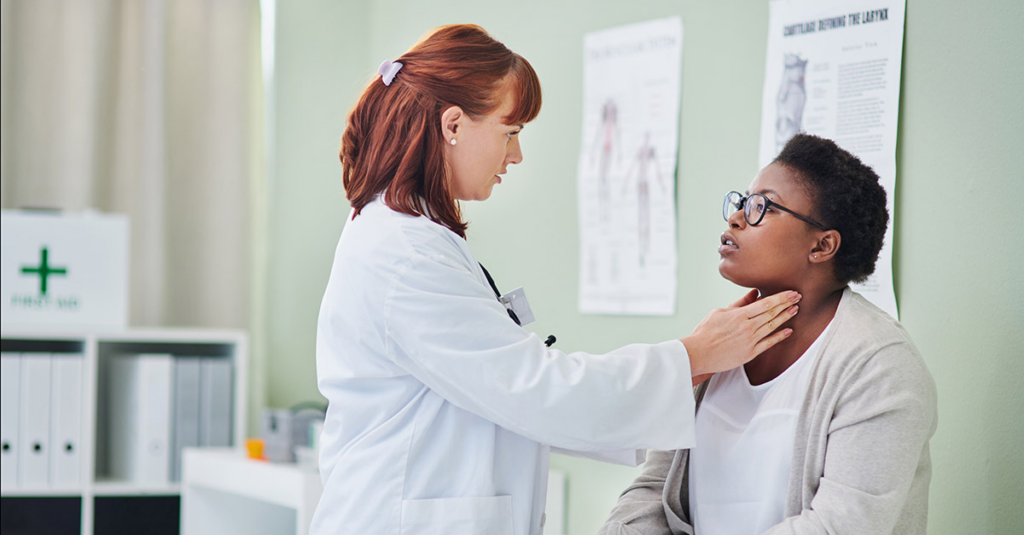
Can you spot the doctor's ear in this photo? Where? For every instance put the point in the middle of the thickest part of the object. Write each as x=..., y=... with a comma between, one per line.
x=826, y=247
x=451, y=120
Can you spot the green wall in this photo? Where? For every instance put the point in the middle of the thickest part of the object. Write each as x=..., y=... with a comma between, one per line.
x=959, y=215
x=320, y=65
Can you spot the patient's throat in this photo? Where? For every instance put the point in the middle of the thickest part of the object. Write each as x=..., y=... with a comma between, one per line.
x=770, y=364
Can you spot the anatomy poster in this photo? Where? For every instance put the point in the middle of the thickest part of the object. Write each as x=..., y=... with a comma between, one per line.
x=627, y=167
x=833, y=70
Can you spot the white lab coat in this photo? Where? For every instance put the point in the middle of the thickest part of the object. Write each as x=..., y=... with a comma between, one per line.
x=442, y=410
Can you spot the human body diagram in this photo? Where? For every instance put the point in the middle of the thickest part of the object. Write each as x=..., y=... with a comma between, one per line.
x=607, y=143
x=642, y=168
x=789, y=104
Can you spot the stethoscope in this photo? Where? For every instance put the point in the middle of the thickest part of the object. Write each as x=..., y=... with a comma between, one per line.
x=511, y=313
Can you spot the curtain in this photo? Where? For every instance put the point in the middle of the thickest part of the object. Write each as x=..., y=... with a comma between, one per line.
x=153, y=109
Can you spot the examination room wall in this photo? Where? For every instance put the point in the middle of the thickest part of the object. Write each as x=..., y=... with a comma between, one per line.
x=958, y=247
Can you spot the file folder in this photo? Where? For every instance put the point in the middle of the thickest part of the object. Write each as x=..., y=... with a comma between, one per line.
x=215, y=402
x=185, y=429
x=34, y=423
x=10, y=401
x=140, y=412
x=66, y=420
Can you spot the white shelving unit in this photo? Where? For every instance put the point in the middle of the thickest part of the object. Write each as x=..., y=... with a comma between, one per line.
x=97, y=486
x=224, y=493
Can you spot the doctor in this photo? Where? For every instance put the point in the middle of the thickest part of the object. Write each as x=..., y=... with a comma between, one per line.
x=441, y=408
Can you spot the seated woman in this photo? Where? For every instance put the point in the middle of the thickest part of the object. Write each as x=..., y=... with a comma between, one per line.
x=826, y=432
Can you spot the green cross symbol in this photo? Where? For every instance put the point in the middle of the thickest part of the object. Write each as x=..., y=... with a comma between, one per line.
x=44, y=270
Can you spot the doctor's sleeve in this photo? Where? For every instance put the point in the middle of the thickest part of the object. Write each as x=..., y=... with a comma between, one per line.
x=446, y=328
x=640, y=509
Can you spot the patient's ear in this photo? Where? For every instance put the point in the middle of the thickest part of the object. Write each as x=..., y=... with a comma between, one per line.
x=826, y=247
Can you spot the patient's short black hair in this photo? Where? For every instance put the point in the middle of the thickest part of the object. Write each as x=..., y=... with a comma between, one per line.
x=847, y=197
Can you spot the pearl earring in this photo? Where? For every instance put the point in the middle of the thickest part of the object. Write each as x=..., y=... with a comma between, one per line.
x=453, y=141
x=815, y=256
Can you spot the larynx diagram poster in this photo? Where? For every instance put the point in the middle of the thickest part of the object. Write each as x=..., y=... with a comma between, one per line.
x=833, y=70
x=626, y=171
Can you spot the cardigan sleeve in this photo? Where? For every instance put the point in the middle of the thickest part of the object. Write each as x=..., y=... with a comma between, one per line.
x=640, y=510
x=876, y=459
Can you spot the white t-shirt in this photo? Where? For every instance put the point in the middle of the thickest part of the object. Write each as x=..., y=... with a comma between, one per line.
x=739, y=469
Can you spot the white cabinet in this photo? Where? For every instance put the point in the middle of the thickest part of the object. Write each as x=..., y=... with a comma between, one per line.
x=224, y=493
x=57, y=486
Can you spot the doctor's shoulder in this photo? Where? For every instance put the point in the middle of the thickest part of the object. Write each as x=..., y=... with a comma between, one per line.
x=381, y=234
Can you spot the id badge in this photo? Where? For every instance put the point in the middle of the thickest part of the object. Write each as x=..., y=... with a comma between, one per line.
x=516, y=302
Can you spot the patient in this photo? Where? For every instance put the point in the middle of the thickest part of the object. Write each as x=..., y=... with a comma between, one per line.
x=826, y=432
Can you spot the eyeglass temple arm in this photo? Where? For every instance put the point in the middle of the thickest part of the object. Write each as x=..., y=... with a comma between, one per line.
x=798, y=216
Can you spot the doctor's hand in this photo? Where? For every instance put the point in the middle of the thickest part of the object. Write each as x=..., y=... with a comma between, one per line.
x=731, y=337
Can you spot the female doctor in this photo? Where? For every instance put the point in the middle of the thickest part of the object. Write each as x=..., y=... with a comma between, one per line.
x=441, y=408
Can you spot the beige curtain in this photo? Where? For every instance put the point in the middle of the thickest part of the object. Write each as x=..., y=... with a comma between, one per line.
x=149, y=108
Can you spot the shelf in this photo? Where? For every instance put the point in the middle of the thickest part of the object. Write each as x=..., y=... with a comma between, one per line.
x=228, y=470
x=144, y=334
x=123, y=488
x=98, y=503
x=14, y=492
x=100, y=488
x=225, y=493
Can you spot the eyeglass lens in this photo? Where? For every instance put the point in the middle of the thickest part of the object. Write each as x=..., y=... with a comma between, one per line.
x=732, y=204
x=753, y=206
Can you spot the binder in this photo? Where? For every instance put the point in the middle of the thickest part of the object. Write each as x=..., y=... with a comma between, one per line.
x=34, y=422
x=140, y=417
x=185, y=424
x=66, y=420
x=215, y=402
x=10, y=401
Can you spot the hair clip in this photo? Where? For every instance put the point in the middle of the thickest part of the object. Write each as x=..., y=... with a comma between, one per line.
x=388, y=70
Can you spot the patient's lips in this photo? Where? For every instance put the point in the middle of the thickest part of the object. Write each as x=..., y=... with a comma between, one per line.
x=728, y=244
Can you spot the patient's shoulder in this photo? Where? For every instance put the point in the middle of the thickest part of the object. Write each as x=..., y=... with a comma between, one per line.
x=870, y=345
x=860, y=323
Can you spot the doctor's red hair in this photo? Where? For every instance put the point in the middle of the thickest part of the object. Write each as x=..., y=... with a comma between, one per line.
x=393, y=141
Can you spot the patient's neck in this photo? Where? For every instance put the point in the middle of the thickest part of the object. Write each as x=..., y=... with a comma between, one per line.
x=817, y=308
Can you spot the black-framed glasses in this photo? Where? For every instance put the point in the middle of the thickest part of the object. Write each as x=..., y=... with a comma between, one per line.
x=754, y=207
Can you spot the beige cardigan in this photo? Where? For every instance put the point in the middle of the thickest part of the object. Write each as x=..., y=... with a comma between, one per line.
x=860, y=457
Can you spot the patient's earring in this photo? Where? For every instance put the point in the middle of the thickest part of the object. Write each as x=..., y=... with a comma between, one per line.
x=453, y=141
x=815, y=257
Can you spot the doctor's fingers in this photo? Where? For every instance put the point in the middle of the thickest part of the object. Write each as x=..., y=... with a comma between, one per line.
x=751, y=297
x=772, y=305
x=763, y=327
x=768, y=322
x=766, y=342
